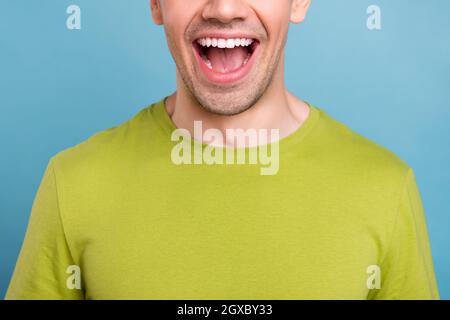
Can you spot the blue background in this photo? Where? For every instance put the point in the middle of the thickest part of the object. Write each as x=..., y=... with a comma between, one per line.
x=58, y=87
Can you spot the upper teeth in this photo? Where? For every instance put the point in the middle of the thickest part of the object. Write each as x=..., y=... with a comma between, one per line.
x=224, y=43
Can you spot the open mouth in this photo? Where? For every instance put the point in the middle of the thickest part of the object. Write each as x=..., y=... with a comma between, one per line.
x=225, y=60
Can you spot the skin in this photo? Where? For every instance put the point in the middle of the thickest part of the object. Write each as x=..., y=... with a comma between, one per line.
x=260, y=100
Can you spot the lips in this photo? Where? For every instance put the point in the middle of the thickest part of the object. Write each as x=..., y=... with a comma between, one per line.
x=225, y=60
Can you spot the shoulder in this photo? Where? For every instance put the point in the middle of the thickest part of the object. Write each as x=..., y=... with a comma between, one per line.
x=355, y=160
x=346, y=144
x=102, y=149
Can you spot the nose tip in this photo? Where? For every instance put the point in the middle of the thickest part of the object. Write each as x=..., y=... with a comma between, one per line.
x=225, y=11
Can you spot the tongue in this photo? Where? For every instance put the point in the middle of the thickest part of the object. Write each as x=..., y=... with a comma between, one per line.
x=226, y=60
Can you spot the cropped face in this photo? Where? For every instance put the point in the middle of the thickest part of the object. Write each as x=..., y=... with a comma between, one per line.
x=227, y=51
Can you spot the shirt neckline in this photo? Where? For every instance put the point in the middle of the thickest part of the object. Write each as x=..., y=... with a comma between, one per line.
x=158, y=112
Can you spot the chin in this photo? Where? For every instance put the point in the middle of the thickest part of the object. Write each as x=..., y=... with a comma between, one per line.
x=226, y=106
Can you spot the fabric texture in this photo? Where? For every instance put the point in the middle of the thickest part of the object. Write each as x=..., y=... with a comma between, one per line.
x=141, y=227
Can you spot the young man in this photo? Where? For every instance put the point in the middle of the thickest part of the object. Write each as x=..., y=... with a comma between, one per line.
x=164, y=206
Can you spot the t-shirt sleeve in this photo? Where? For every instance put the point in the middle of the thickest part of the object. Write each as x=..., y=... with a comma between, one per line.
x=45, y=258
x=407, y=271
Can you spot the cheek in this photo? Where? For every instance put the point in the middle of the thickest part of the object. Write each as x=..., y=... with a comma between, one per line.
x=271, y=6
x=274, y=15
x=177, y=15
x=174, y=10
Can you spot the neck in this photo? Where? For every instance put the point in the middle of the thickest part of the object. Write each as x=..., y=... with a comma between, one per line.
x=276, y=109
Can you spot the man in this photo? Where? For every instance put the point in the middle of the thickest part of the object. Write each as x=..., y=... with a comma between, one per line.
x=134, y=213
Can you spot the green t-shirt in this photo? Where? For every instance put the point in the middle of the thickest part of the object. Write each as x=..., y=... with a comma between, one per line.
x=341, y=219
